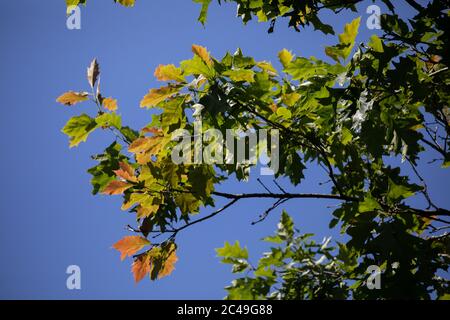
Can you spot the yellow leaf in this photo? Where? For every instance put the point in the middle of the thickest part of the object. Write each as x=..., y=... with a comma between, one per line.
x=156, y=96
x=169, y=72
x=129, y=245
x=267, y=66
x=285, y=57
x=110, y=104
x=202, y=52
x=126, y=3
x=70, y=98
x=141, y=267
x=147, y=211
x=116, y=187
x=126, y=172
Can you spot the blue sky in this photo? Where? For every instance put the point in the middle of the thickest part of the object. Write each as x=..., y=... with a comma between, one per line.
x=49, y=219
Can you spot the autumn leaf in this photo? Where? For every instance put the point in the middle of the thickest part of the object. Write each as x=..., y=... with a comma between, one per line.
x=93, y=72
x=141, y=267
x=156, y=96
x=126, y=3
x=116, y=187
x=153, y=130
x=169, y=265
x=285, y=57
x=126, y=172
x=146, y=144
x=139, y=145
x=202, y=52
x=70, y=98
x=129, y=245
x=169, y=72
x=110, y=104
x=147, y=211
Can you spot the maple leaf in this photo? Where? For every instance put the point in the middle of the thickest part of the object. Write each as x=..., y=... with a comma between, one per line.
x=126, y=172
x=169, y=265
x=116, y=187
x=110, y=104
x=93, y=71
x=141, y=267
x=70, y=98
x=129, y=245
x=202, y=52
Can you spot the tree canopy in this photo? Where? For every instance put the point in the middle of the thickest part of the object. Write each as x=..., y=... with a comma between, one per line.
x=370, y=103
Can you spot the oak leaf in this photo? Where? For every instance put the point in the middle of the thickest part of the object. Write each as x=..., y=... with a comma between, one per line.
x=202, y=52
x=110, y=104
x=169, y=72
x=156, y=96
x=70, y=98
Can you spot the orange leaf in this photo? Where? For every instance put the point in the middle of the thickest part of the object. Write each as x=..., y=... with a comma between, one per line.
x=141, y=267
x=110, y=104
x=70, y=98
x=129, y=245
x=153, y=130
x=202, y=53
x=169, y=265
x=126, y=172
x=116, y=187
x=139, y=145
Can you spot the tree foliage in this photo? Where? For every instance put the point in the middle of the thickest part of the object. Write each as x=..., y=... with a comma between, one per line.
x=370, y=103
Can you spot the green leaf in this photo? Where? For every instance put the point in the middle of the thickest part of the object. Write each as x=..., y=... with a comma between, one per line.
x=204, y=11
x=232, y=251
x=285, y=227
x=348, y=37
x=347, y=41
x=376, y=43
x=79, y=128
x=109, y=120
x=398, y=191
x=284, y=113
x=196, y=66
x=237, y=75
x=369, y=204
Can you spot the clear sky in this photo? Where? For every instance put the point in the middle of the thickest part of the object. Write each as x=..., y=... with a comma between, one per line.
x=48, y=217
